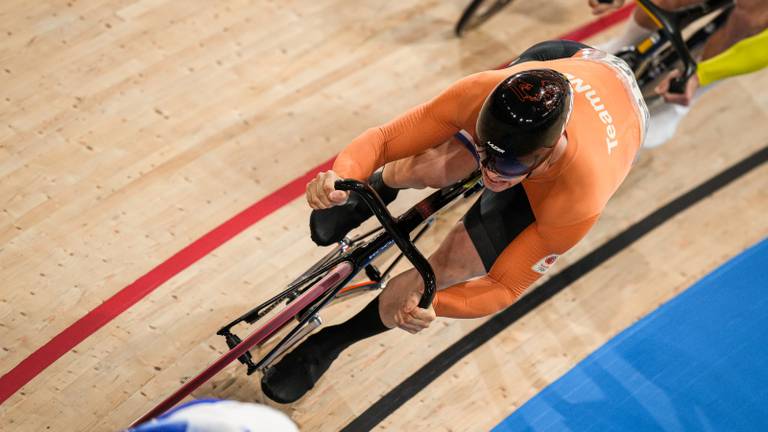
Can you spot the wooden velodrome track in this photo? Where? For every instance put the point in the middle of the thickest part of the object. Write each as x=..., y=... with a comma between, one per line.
x=129, y=129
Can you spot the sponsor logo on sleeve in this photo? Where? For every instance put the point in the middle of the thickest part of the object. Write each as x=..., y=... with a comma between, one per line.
x=545, y=263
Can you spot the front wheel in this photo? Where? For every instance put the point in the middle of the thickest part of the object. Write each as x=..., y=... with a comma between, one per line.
x=478, y=12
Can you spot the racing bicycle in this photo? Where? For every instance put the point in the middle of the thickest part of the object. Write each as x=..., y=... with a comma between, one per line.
x=329, y=280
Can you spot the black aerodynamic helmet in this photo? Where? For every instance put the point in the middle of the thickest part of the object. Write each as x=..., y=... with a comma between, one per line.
x=526, y=112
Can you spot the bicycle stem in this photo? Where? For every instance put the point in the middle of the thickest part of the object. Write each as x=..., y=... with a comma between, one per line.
x=379, y=209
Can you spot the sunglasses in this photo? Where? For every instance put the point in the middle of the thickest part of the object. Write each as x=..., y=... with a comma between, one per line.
x=512, y=167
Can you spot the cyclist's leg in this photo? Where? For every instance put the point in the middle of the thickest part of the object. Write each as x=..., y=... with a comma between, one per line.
x=455, y=260
x=440, y=166
x=288, y=380
x=468, y=251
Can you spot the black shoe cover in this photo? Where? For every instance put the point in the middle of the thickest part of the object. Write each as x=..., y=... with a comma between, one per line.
x=329, y=226
x=296, y=373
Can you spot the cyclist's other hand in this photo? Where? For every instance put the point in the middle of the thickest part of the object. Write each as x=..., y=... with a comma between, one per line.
x=678, y=98
x=399, y=307
x=321, y=191
x=418, y=319
x=598, y=7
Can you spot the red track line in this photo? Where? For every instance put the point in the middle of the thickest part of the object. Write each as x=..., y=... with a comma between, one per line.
x=592, y=28
x=31, y=366
x=70, y=337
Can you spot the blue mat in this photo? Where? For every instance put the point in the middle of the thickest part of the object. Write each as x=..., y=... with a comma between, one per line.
x=698, y=363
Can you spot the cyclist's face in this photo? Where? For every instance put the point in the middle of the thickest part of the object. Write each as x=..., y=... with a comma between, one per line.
x=513, y=167
x=497, y=183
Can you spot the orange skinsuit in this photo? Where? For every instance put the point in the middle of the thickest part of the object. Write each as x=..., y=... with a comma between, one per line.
x=604, y=132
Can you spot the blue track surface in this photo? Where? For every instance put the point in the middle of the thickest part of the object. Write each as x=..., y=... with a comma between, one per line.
x=698, y=363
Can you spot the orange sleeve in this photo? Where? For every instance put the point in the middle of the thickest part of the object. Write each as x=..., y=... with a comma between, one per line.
x=511, y=274
x=419, y=129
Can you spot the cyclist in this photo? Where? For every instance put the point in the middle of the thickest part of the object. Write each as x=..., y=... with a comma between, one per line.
x=554, y=134
x=739, y=47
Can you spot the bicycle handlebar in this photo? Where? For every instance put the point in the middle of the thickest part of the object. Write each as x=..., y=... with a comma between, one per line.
x=669, y=24
x=403, y=241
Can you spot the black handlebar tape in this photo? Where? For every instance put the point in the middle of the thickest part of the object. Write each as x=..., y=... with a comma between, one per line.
x=403, y=241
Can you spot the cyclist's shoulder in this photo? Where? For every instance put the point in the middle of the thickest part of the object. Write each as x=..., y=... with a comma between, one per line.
x=492, y=76
x=593, y=62
x=599, y=77
x=478, y=85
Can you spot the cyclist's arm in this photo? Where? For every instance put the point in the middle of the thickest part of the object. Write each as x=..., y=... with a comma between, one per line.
x=747, y=55
x=511, y=274
x=740, y=47
x=417, y=130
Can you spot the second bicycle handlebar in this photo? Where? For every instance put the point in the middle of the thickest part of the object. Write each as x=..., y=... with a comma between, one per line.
x=403, y=241
x=669, y=24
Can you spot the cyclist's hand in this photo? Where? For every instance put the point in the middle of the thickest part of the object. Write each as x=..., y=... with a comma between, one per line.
x=680, y=99
x=598, y=8
x=399, y=307
x=321, y=193
x=418, y=319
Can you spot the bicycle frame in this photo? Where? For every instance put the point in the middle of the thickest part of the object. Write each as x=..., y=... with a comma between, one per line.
x=395, y=232
x=337, y=271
